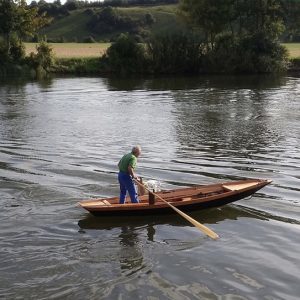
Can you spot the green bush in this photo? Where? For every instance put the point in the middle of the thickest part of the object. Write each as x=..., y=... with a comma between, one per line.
x=77, y=66
x=222, y=58
x=261, y=54
x=246, y=54
x=17, y=51
x=45, y=56
x=43, y=59
x=15, y=54
x=4, y=56
x=177, y=53
x=125, y=56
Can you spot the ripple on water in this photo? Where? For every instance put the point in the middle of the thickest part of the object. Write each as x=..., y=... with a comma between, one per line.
x=60, y=143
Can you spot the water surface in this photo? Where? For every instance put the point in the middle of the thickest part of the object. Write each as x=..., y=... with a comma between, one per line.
x=60, y=142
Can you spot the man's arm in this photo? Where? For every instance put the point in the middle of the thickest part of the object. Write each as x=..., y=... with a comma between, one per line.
x=131, y=172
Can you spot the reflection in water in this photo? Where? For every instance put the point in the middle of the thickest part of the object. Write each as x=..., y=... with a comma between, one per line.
x=150, y=233
x=189, y=83
x=239, y=123
x=128, y=84
x=208, y=216
x=181, y=267
x=131, y=257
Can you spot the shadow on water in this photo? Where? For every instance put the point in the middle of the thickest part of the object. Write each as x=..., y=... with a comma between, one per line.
x=210, y=216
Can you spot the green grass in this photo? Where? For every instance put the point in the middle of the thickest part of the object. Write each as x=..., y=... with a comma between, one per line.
x=293, y=49
x=73, y=27
x=73, y=50
x=77, y=66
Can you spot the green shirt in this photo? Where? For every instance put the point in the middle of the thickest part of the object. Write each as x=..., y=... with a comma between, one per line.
x=126, y=161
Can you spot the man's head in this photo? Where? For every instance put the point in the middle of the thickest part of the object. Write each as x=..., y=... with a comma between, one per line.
x=136, y=151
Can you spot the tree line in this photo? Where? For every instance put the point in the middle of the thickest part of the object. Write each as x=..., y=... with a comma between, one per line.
x=280, y=18
x=109, y=20
x=56, y=9
x=226, y=36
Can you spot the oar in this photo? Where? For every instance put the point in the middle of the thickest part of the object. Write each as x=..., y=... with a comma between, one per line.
x=200, y=226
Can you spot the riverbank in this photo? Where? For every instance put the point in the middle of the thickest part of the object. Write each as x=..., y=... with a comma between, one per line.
x=85, y=59
x=294, y=66
x=89, y=66
x=89, y=50
x=94, y=66
x=78, y=66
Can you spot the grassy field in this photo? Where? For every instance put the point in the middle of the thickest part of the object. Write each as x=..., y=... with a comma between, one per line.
x=165, y=16
x=294, y=49
x=73, y=50
x=73, y=28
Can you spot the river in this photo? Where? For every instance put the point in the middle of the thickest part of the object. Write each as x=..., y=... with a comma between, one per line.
x=61, y=140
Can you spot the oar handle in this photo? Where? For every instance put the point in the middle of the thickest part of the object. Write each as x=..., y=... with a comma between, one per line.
x=200, y=226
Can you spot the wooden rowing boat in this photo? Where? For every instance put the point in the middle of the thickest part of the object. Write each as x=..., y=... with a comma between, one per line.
x=185, y=199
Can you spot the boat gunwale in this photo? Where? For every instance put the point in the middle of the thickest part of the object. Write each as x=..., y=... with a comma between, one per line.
x=259, y=183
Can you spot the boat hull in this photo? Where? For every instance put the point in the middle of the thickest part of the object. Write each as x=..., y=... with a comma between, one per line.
x=217, y=195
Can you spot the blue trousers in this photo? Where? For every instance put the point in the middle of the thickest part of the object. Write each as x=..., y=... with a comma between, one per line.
x=126, y=184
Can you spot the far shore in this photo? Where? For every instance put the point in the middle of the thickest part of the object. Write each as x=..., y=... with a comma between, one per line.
x=89, y=50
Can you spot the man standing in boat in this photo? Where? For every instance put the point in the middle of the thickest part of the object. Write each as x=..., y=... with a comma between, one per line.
x=126, y=165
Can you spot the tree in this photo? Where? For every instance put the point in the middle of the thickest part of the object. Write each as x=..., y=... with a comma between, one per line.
x=125, y=56
x=240, y=35
x=263, y=16
x=174, y=53
x=72, y=4
x=210, y=16
x=291, y=15
x=214, y=17
x=16, y=18
x=8, y=20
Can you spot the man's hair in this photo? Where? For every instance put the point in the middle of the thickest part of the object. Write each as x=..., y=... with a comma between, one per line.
x=136, y=149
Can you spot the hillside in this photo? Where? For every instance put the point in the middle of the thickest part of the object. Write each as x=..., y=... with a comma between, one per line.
x=76, y=27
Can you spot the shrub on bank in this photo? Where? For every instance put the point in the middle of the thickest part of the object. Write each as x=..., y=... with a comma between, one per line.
x=15, y=53
x=43, y=58
x=182, y=54
x=79, y=66
x=12, y=60
x=125, y=56
x=260, y=54
x=248, y=54
x=294, y=65
x=164, y=54
x=42, y=61
x=173, y=54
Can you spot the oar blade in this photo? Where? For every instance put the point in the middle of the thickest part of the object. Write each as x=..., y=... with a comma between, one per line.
x=200, y=226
